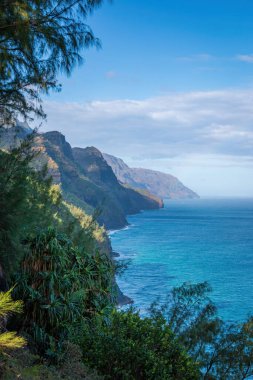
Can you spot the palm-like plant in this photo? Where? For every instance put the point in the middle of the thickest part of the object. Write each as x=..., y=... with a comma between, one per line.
x=60, y=285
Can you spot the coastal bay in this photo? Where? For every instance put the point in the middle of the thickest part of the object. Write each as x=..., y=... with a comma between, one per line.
x=190, y=241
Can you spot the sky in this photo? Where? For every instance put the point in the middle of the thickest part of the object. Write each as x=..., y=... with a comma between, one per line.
x=171, y=89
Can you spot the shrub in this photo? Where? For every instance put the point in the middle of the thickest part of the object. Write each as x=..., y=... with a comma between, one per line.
x=220, y=349
x=126, y=346
x=60, y=286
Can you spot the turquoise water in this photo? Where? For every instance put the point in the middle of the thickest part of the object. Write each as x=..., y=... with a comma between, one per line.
x=191, y=240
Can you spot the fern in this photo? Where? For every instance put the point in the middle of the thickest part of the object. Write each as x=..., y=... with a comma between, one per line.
x=8, y=306
x=10, y=340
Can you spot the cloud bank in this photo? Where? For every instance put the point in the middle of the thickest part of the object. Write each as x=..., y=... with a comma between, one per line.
x=212, y=128
x=218, y=122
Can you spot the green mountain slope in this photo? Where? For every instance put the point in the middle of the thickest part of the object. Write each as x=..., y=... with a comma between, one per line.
x=86, y=179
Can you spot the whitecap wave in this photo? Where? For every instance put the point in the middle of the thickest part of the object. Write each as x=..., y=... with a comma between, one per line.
x=112, y=232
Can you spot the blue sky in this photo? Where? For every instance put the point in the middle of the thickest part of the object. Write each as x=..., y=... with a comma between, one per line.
x=170, y=89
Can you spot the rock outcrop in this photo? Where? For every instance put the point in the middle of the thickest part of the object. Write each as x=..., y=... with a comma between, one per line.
x=89, y=182
x=86, y=179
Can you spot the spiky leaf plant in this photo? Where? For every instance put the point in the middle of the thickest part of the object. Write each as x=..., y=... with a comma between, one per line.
x=60, y=285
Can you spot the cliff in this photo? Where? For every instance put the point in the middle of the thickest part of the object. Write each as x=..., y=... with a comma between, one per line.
x=160, y=184
x=88, y=181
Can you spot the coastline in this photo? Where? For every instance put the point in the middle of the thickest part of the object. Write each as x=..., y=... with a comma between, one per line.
x=190, y=241
x=122, y=299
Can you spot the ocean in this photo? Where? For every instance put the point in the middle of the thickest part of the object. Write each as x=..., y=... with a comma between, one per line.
x=190, y=241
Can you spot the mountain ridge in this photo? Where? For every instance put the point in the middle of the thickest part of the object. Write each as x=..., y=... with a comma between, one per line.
x=86, y=175
x=86, y=179
x=156, y=182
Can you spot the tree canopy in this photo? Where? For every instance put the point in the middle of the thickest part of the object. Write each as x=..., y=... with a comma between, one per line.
x=38, y=40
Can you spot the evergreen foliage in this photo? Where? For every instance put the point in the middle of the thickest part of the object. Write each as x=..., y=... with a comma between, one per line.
x=38, y=40
x=83, y=229
x=65, y=277
x=9, y=339
x=220, y=350
x=23, y=364
x=27, y=199
x=60, y=285
x=128, y=347
x=8, y=306
x=59, y=256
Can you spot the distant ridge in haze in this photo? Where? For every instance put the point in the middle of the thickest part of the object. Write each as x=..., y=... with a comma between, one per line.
x=160, y=184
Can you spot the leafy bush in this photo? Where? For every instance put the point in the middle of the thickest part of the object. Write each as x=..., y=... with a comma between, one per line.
x=129, y=347
x=60, y=286
x=182, y=339
x=220, y=350
x=22, y=364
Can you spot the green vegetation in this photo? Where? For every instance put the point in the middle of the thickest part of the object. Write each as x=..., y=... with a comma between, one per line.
x=220, y=350
x=61, y=278
x=38, y=40
x=60, y=286
x=57, y=257
x=26, y=200
x=9, y=340
x=87, y=180
x=126, y=346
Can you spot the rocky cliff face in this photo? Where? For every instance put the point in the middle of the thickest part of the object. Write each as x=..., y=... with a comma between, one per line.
x=161, y=184
x=84, y=175
x=86, y=180
x=94, y=165
x=89, y=182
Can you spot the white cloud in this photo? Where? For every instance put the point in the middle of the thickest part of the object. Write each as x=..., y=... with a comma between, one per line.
x=219, y=122
x=167, y=131
x=245, y=58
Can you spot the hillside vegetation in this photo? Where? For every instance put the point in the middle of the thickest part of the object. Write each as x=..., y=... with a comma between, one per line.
x=57, y=256
x=85, y=177
x=58, y=314
x=58, y=259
